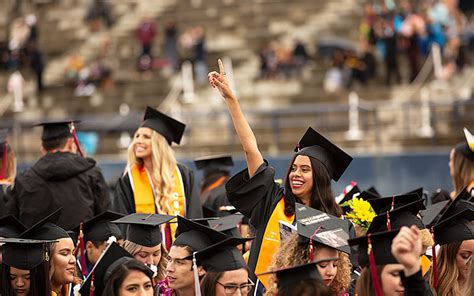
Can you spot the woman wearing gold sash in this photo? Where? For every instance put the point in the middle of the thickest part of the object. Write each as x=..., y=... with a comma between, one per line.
x=255, y=194
x=153, y=181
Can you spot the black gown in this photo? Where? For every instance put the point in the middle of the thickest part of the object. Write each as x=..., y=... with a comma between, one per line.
x=257, y=198
x=124, y=202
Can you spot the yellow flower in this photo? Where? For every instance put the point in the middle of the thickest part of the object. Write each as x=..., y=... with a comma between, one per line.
x=361, y=212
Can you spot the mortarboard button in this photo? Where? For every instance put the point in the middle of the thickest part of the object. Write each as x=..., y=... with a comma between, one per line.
x=315, y=145
x=143, y=229
x=166, y=126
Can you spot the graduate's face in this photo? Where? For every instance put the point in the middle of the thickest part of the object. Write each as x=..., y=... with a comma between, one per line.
x=179, y=270
x=233, y=281
x=64, y=263
x=327, y=270
x=136, y=283
x=464, y=258
x=20, y=281
x=142, y=143
x=301, y=177
x=149, y=255
x=391, y=282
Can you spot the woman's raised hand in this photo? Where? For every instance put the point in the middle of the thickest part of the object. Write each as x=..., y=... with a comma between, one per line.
x=219, y=81
x=407, y=249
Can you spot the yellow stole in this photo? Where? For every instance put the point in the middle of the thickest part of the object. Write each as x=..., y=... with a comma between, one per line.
x=425, y=264
x=144, y=194
x=271, y=240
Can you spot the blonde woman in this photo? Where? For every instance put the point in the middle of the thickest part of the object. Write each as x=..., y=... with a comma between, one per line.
x=461, y=165
x=153, y=181
x=7, y=168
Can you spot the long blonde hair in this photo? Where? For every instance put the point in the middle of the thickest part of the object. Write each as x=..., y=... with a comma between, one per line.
x=463, y=171
x=134, y=248
x=448, y=272
x=291, y=253
x=164, y=165
x=11, y=168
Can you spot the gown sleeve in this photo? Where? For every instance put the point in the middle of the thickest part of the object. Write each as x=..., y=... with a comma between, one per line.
x=415, y=285
x=257, y=196
x=123, y=201
x=193, y=202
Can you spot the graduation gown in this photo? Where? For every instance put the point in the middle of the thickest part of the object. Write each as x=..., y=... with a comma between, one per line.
x=217, y=198
x=257, y=198
x=124, y=202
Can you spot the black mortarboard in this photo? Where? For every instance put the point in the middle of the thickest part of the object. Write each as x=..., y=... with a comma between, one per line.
x=227, y=225
x=56, y=129
x=11, y=227
x=348, y=196
x=440, y=195
x=104, y=266
x=166, y=126
x=431, y=214
x=292, y=275
x=466, y=147
x=100, y=227
x=315, y=145
x=223, y=256
x=418, y=191
x=144, y=229
x=196, y=235
x=405, y=215
x=214, y=164
x=384, y=204
x=24, y=254
x=46, y=229
x=455, y=224
x=381, y=246
x=372, y=190
x=440, y=211
x=322, y=228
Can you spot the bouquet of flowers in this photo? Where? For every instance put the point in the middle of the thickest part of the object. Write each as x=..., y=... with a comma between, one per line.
x=361, y=212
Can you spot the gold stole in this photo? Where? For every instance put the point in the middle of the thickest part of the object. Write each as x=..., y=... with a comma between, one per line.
x=425, y=264
x=271, y=240
x=143, y=194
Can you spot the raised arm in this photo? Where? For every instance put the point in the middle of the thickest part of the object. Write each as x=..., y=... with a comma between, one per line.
x=244, y=132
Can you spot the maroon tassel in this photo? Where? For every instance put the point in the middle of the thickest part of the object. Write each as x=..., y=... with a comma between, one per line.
x=76, y=140
x=168, y=238
x=82, y=248
x=3, y=170
x=389, y=225
x=373, y=269
x=297, y=147
x=393, y=203
x=435, y=267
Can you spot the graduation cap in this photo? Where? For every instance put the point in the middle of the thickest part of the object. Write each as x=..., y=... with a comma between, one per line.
x=467, y=148
x=60, y=129
x=431, y=214
x=11, y=227
x=196, y=235
x=295, y=274
x=455, y=224
x=406, y=215
x=214, y=164
x=354, y=191
x=384, y=204
x=166, y=126
x=440, y=211
x=100, y=227
x=227, y=225
x=223, y=256
x=24, y=254
x=110, y=260
x=418, y=191
x=440, y=195
x=315, y=145
x=380, y=242
x=144, y=229
x=322, y=228
x=45, y=229
x=372, y=190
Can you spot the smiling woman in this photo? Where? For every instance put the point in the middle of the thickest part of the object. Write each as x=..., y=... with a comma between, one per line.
x=63, y=265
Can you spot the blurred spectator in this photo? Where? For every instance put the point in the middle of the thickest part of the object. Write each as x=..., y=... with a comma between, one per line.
x=199, y=55
x=99, y=10
x=19, y=34
x=31, y=22
x=284, y=60
x=357, y=68
x=15, y=88
x=268, y=61
x=300, y=56
x=36, y=63
x=74, y=66
x=389, y=38
x=171, y=44
x=334, y=79
x=146, y=32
